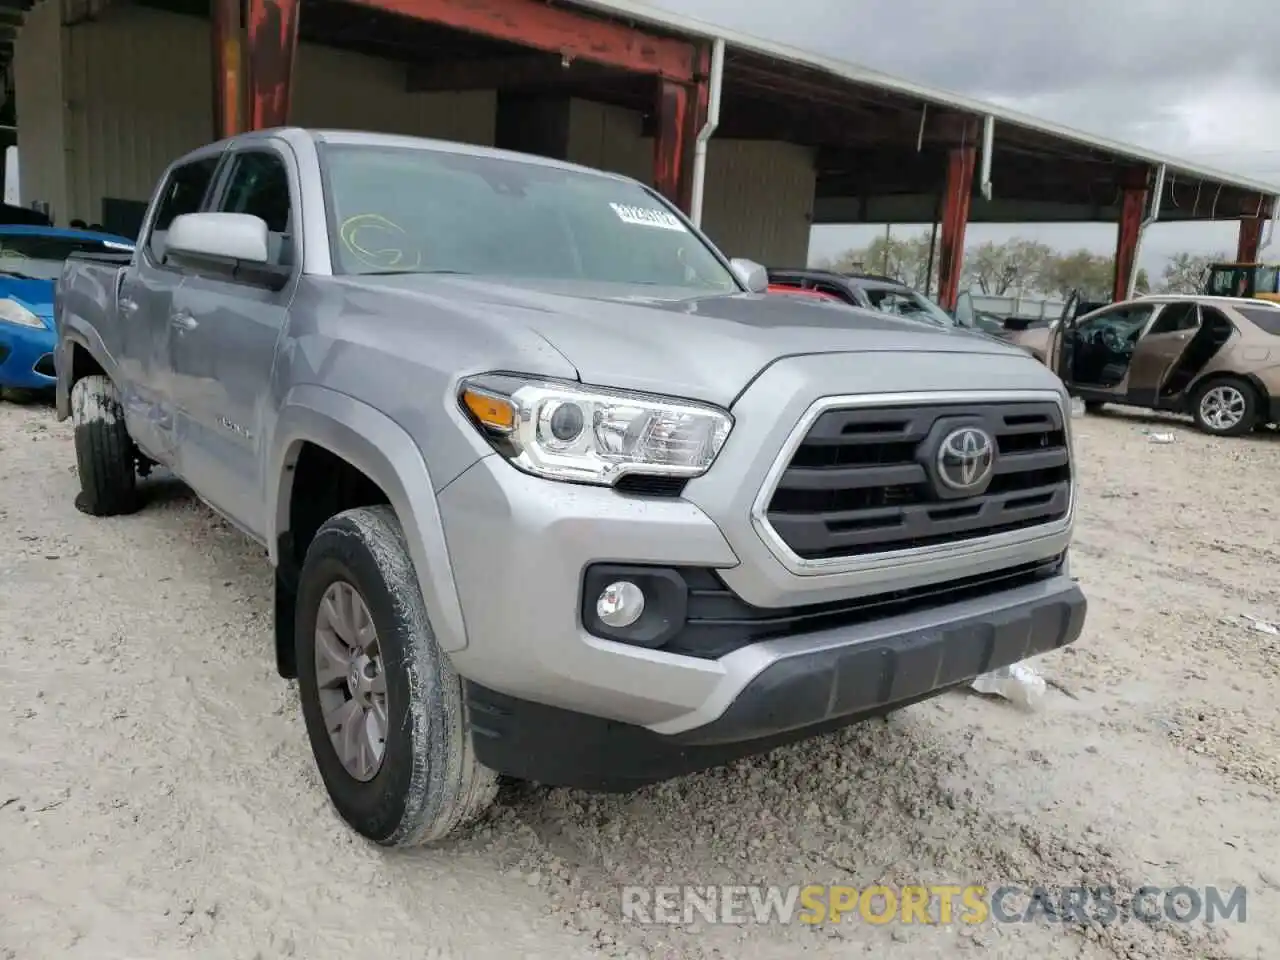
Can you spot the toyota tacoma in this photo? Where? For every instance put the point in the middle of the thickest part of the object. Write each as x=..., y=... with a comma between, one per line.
x=551, y=488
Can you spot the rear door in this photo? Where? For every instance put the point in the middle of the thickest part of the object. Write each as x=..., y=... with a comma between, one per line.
x=144, y=298
x=224, y=333
x=1160, y=347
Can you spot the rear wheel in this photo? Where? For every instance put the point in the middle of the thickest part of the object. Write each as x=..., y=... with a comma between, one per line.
x=1225, y=407
x=384, y=710
x=105, y=454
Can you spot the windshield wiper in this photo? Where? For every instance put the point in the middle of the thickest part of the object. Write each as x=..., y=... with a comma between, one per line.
x=396, y=273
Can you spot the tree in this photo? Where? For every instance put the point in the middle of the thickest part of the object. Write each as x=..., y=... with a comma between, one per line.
x=1089, y=274
x=905, y=259
x=1185, y=272
x=1013, y=268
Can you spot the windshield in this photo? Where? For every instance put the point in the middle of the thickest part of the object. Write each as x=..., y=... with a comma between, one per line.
x=414, y=210
x=36, y=257
x=908, y=303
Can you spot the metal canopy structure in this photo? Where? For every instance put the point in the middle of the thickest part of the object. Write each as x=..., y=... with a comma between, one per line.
x=886, y=150
x=876, y=167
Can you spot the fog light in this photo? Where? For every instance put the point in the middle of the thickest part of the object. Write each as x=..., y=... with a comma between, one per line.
x=620, y=604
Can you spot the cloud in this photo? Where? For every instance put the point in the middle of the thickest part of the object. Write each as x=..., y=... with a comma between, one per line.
x=1199, y=82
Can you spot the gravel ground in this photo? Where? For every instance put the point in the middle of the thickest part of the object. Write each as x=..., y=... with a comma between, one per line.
x=157, y=797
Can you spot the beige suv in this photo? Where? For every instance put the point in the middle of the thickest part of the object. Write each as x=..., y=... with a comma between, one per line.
x=1216, y=358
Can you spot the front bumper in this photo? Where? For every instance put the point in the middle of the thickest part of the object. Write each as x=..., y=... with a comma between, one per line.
x=847, y=676
x=519, y=548
x=26, y=357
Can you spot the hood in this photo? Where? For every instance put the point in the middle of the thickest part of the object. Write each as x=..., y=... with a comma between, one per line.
x=35, y=295
x=673, y=342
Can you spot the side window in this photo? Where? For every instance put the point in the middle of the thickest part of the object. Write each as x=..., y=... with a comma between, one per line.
x=1266, y=319
x=1175, y=317
x=182, y=193
x=832, y=289
x=259, y=185
x=1123, y=322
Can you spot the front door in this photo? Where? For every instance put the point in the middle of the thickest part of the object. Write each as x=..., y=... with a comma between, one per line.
x=1058, y=351
x=1100, y=346
x=1159, y=349
x=224, y=333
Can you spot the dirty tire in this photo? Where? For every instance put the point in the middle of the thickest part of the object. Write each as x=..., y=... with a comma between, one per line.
x=104, y=451
x=429, y=783
x=1246, y=422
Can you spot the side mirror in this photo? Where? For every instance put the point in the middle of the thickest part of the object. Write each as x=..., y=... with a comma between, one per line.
x=964, y=314
x=753, y=276
x=239, y=237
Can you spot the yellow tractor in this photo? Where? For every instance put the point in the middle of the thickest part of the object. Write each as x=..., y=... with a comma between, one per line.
x=1261, y=280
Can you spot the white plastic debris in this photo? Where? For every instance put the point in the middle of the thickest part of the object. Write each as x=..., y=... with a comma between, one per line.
x=1019, y=683
x=1158, y=437
x=1262, y=626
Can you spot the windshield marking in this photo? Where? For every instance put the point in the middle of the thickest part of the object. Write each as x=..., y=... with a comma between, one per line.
x=647, y=217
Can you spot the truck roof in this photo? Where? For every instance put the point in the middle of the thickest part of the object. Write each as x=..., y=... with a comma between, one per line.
x=366, y=138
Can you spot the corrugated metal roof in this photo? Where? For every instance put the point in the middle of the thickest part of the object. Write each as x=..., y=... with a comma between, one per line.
x=642, y=10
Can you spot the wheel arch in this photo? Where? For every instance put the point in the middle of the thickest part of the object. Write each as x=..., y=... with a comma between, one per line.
x=1196, y=385
x=78, y=359
x=381, y=450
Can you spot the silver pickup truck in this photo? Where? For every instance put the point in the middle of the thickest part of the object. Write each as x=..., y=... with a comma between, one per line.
x=551, y=488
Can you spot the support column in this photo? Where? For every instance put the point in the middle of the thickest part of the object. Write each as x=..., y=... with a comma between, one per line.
x=955, y=217
x=228, y=97
x=681, y=112
x=1249, y=240
x=273, y=44
x=1132, y=207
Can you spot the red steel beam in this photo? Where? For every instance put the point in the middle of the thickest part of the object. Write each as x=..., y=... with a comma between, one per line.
x=1249, y=240
x=669, y=144
x=955, y=217
x=1132, y=206
x=228, y=98
x=564, y=32
x=680, y=114
x=273, y=46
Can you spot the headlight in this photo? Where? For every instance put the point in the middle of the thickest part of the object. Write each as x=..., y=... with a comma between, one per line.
x=13, y=312
x=566, y=431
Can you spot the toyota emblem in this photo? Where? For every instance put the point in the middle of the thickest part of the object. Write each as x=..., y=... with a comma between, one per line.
x=965, y=459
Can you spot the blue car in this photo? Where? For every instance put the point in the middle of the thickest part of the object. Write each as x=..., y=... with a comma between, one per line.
x=31, y=259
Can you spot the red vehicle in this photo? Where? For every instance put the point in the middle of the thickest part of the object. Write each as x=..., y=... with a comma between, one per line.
x=802, y=292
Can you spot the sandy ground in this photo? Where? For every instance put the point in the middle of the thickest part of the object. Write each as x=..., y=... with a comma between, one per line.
x=157, y=797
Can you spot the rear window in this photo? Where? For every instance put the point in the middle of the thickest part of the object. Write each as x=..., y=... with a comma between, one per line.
x=1265, y=319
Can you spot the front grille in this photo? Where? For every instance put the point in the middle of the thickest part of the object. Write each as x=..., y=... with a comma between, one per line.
x=864, y=479
x=45, y=366
x=718, y=621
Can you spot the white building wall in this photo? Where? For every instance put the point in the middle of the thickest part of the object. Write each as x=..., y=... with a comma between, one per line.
x=37, y=65
x=139, y=92
x=758, y=200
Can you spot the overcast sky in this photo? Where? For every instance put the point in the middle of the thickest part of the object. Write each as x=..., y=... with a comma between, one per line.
x=1177, y=76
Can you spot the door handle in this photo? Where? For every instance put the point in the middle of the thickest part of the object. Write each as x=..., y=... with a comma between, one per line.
x=183, y=320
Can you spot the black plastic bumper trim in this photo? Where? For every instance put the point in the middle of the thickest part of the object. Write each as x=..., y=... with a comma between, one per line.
x=790, y=700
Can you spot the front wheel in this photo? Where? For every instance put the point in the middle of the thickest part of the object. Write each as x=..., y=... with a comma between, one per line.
x=384, y=709
x=1225, y=408
x=1094, y=406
